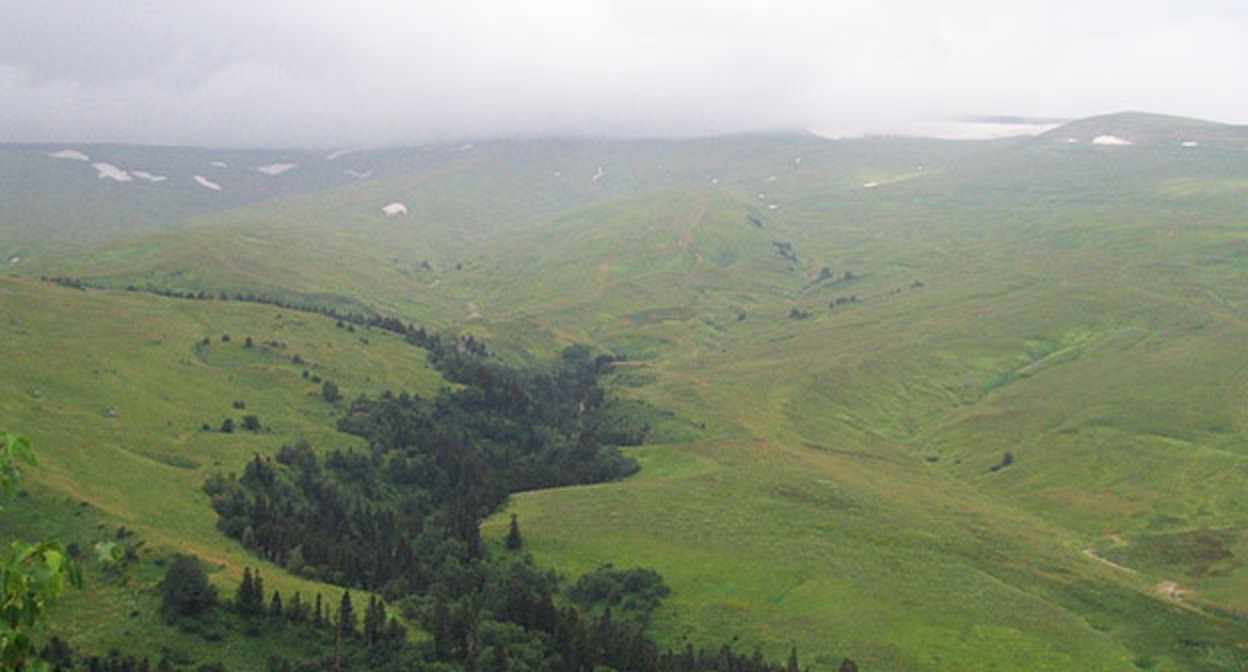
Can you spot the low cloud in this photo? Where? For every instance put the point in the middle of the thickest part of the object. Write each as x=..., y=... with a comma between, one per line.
x=351, y=73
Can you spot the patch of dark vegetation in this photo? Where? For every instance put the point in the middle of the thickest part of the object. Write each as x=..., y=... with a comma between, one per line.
x=72, y=283
x=1006, y=460
x=631, y=595
x=796, y=313
x=348, y=318
x=434, y=464
x=842, y=300
x=402, y=519
x=785, y=250
x=177, y=461
x=756, y=221
x=1203, y=552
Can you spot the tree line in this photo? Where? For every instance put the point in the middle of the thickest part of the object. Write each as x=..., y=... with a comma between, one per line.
x=402, y=519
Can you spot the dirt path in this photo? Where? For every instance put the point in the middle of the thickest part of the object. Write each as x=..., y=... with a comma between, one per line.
x=1092, y=554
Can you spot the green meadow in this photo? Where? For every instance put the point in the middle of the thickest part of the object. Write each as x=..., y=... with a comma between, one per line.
x=839, y=373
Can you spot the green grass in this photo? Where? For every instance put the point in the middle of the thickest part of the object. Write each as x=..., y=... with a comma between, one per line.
x=112, y=388
x=823, y=482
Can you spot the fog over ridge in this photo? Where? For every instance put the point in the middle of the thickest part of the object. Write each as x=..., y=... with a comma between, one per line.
x=334, y=73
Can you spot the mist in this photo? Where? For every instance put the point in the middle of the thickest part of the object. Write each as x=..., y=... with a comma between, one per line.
x=334, y=74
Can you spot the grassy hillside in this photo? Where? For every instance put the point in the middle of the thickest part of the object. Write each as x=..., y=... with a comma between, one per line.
x=833, y=475
x=113, y=390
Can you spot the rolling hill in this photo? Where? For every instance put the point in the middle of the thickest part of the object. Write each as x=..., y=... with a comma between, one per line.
x=850, y=337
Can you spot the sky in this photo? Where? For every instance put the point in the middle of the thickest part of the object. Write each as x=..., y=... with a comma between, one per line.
x=369, y=73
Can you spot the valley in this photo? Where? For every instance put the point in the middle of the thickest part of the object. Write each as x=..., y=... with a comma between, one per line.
x=923, y=404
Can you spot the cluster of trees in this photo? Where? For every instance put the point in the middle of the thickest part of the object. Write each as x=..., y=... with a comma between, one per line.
x=402, y=518
x=343, y=318
x=250, y=422
x=435, y=467
x=343, y=624
x=73, y=283
x=826, y=275
x=631, y=594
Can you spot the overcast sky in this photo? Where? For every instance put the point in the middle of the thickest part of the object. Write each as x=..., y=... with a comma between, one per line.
x=360, y=72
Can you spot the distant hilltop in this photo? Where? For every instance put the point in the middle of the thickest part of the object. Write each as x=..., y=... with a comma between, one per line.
x=1146, y=128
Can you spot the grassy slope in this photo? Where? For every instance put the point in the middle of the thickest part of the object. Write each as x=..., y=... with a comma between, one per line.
x=1080, y=308
x=1083, y=320
x=71, y=356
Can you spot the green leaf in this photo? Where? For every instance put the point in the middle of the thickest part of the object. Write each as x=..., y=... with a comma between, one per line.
x=107, y=552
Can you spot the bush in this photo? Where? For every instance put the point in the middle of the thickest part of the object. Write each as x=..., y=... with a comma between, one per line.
x=185, y=590
x=632, y=593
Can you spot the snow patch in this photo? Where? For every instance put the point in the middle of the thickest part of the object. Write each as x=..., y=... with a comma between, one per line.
x=714, y=180
x=109, y=171
x=207, y=183
x=394, y=209
x=1111, y=141
x=762, y=196
x=15, y=260
x=598, y=175
x=465, y=147
x=1071, y=141
x=358, y=175
x=1190, y=143
x=276, y=168
x=797, y=160
x=220, y=164
x=337, y=153
x=870, y=185
x=144, y=175
x=772, y=206
x=71, y=154
x=771, y=178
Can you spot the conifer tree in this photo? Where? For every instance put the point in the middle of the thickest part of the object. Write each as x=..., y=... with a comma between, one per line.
x=372, y=625
x=296, y=612
x=346, y=615
x=514, y=541
x=242, y=597
x=256, y=606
